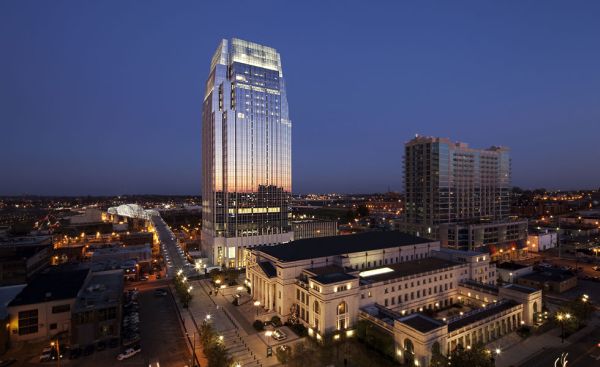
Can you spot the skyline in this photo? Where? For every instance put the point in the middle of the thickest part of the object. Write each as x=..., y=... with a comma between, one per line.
x=106, y=99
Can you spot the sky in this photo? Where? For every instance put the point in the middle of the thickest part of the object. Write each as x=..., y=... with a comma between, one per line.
x=104, y=97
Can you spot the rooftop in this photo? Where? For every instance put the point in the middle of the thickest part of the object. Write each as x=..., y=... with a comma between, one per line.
x=309, y=248
x=549, y=275
x=398, y=270
x=421, y=322
x=511, y=266
x=521, y=288
x=268, y=268
x=103, y=289
x=481, y=314
x=51, y=286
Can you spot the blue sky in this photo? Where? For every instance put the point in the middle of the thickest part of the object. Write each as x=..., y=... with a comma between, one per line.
x=104, y=97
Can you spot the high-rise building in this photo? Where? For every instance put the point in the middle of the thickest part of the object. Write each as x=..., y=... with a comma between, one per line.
x=246, y=153
x=458, y=194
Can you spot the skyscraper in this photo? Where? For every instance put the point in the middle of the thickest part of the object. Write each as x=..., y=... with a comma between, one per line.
x=458, y=194
x=246, y=153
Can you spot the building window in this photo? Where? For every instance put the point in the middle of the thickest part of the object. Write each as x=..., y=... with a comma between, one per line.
x=316, y=307
x=52, y=326
x=342, y=315
x=61, y=308
x=28, y=322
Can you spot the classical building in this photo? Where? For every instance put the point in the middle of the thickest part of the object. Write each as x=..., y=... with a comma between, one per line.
x=460, y=195
x=407, y=285
x=246, y=157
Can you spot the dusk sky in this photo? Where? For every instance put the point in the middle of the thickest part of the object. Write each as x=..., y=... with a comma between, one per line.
x=104, y=97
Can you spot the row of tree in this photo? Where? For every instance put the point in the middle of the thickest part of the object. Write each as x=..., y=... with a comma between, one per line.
x=213, y=347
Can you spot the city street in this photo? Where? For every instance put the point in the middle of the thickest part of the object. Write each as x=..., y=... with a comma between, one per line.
x=581, y=353
x=172, y=253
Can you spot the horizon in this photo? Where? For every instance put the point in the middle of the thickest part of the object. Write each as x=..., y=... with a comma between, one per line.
x=103, y=98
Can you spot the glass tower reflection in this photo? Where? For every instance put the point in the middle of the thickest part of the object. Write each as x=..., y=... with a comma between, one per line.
x=246, y=152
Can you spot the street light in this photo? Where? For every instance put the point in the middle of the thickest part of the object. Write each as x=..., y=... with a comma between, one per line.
x=495, y=352
x=562, y=318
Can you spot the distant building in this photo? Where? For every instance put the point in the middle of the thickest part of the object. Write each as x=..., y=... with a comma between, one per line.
x=314, y=228
x=247, y=157
x=87, y=216
x=460, y=195
x=550, y=280
x=509, y=272
x=22, y=257
x=539, y=240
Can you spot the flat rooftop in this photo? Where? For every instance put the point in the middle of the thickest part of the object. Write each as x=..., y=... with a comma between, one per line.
x=480, y=314
x=511, y=266
x=103, y=289
x=521, y=288
x=398, y=270
x=51, y=286
x=310, y=248
x=421, y=322
x=330, y=274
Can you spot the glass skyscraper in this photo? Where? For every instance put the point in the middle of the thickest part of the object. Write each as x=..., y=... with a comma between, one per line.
x=246, y=153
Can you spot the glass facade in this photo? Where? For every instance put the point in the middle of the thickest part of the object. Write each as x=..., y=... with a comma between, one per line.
x=246, y=152
x=449, y=182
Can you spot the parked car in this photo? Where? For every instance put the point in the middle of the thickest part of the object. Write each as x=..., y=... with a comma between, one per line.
x=113, y=343
x=128, y=353
x=100, y=346
x=74, y=352
x=160, y=292
x=89, y=349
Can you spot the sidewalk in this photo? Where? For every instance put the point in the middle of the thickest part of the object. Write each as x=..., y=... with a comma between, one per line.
x=518, y=353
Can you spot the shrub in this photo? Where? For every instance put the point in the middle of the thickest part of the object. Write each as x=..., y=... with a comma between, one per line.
x=276, y=321
x=258, y=325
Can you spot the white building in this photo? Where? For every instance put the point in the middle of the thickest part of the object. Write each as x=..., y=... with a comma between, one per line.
x=397, y=281
x=541, y=240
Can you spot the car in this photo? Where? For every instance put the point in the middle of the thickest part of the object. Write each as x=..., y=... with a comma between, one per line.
x=74, y=352
x=128, y=353
x=45, y=357
x=113, y=343
x=144, y=277
x=88, y=349
x=100, y=346
x=160, y=292
x=279, y=335
x=597, y=268
x=7, y=362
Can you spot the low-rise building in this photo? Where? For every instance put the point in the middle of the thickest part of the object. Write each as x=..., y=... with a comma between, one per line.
x=314, y=228
x=539, y=240
x=97, y=309
x=550, y=280
x=43, y=308
x=509, y=272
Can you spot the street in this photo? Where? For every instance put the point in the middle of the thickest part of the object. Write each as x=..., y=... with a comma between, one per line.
x=581, y=353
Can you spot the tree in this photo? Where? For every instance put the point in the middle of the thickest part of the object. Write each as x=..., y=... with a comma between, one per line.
x=477, y=355
x=217, y=356
x=283, y=354
x=437, y=358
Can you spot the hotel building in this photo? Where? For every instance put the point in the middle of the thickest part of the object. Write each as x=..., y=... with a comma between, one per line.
x=408, y=286
x=246, y=153
x=460, y=195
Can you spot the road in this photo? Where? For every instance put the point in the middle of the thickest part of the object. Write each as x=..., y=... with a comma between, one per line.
x=172, y=252
x=582, y=353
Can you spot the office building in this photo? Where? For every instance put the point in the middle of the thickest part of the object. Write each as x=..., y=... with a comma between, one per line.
x=459, y=195
x=424, y=296
x=246, y=157
x=314, y=228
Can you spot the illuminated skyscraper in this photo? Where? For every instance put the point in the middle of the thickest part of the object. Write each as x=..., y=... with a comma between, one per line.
x=246, y=153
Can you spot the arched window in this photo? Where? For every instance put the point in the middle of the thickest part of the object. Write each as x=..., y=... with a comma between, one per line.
x=342, y=308
x=409, y=352
x=342, y=316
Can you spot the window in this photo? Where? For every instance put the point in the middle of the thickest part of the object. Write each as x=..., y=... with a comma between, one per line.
x=342, y=315
x=316, y=307
x=52, y=326
x=28, y=322
x=61, y=308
